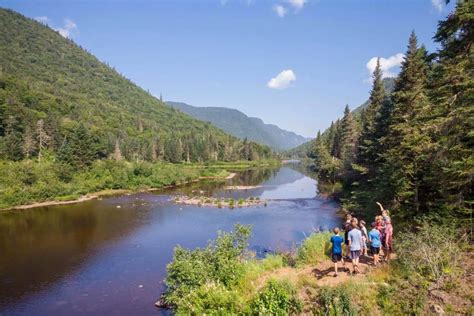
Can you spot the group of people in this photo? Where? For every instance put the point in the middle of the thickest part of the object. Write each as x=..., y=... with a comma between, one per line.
x=358, y=240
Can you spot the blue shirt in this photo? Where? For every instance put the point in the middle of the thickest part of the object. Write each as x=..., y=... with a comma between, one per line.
x=336, y=241
x=355, y=236
x=374, y=237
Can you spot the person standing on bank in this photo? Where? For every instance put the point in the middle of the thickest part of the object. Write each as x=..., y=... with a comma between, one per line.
x=355, y=246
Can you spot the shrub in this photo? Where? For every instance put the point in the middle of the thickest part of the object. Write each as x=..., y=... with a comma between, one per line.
x=219, y=263
x=277, y=298
x=336, y=301
x=314, y=249
x=433, y=252
x=210, y=299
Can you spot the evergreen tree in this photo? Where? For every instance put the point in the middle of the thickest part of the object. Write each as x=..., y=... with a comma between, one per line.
x=368, y=142
x=348, y=138
x=405, y=161
x=452, y=122
x=80, y=148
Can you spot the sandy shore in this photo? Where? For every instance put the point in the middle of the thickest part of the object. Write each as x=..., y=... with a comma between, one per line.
x=242, y=187
x=50, y=203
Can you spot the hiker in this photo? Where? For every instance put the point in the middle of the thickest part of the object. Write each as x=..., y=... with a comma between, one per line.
x=375, y=243
x=365, y=237
x=380, y=227
x=337, y=242
x=387, y=237
x=347, y=229
x=355, y=241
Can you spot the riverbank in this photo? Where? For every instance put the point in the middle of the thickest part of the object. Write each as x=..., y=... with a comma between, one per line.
x=29, y=184
x=303, y=282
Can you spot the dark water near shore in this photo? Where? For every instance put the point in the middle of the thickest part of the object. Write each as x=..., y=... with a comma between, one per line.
x=99, y=259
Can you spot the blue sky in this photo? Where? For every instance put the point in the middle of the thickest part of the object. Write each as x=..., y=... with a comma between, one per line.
x=226, y=52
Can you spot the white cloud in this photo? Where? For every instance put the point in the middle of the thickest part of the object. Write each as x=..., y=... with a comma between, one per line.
x=297, y=4
x=386, y=64
x=68, y=28
x=282, y=80
x=438, y=4
x=279, y=10
x=42, y=19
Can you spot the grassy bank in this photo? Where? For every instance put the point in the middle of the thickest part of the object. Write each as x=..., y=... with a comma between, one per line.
x=27, y=182
x=225, y=278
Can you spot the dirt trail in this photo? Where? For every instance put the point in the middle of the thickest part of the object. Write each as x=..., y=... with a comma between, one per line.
x=322, y=272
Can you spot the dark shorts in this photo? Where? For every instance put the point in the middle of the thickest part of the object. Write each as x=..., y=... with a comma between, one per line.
x=336, y=257
x=355, y=254
x=374, y=250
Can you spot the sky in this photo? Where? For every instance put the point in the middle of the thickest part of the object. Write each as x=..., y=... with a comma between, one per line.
x=293, y=63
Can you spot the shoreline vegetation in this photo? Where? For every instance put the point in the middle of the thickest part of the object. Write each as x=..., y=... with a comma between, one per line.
x=225, y=277
x=29, y=184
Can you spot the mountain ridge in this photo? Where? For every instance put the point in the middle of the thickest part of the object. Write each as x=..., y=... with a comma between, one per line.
x=243, y=126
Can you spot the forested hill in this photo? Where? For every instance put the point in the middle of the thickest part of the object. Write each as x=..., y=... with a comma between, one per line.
x=240, y=125
x=414, y=149
x=304, y=149
x=58, y=99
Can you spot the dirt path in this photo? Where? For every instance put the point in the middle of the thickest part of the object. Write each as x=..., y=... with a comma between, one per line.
x=322, y=273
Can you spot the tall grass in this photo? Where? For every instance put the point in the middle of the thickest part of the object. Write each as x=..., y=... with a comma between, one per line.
x=314, y=249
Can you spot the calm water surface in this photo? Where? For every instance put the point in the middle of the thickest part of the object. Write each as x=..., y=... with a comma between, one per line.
x=95, y=258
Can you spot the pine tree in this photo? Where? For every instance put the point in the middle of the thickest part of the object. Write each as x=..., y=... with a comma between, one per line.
x=80, y=148
x=452, y=122
x=348, y=138
x=405, y=159
x=368, y=142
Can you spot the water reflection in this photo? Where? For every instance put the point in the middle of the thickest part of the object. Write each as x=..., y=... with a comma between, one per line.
x=99, y=259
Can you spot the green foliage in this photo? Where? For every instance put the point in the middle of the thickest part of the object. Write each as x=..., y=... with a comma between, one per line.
x=220, y=263
x=434, y=252
x=336, y=301
x=56, y=96
x=27, y=181
x=277, y=298
x=210, y=299
x=314, y=249
x=415, y=145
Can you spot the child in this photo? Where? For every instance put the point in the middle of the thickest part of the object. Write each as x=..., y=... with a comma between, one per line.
x=347, y=229
x=365, y=237
x=337, y=241
x=375, y=243
x=355, y=241
x=388, y=239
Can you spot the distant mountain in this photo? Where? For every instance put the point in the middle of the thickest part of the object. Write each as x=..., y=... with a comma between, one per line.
x=240, y=125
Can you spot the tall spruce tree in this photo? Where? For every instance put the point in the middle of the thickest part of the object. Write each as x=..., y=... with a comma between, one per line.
x=368, y=147
x=406, y=142
x=452, y=122
x=348, y=139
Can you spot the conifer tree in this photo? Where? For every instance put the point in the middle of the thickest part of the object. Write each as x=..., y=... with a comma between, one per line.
x=406, y=141
x=452, y=121
x=348, y=138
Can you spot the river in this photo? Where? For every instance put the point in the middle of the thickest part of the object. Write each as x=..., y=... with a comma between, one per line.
x=109, y=256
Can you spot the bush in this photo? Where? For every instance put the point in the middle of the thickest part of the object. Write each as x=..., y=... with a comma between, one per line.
x=210, y=299
x=219, y=263
x=336, y=301
x=314, y=249
x=433, y=252
x=277, y=298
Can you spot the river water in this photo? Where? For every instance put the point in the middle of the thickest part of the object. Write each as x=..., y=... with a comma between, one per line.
x=109, y=256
